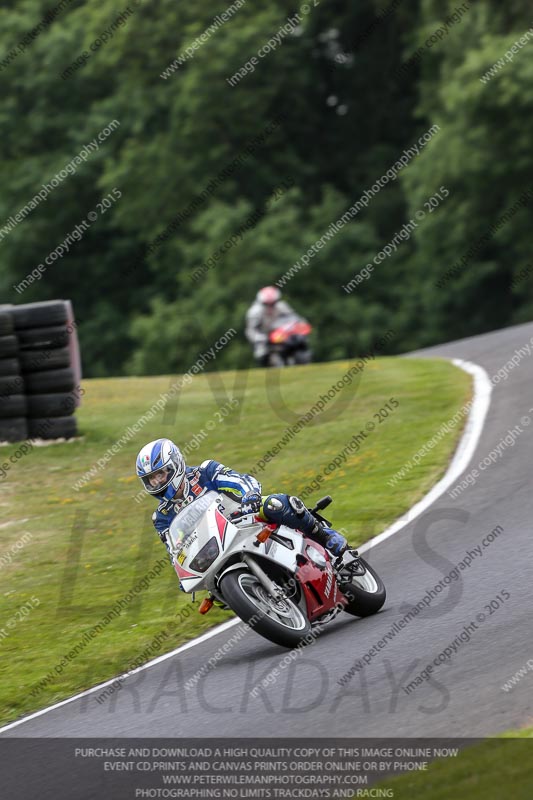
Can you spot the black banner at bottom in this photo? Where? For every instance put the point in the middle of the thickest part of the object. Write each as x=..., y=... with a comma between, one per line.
x=127, y=769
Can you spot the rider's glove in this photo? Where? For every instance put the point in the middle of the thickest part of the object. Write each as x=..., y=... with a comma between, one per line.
x=251, y=502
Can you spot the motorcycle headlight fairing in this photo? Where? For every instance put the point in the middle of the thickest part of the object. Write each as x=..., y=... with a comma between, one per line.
x=205, y=557
x=316, y=556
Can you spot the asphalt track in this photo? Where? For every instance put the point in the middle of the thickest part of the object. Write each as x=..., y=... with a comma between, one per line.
x=463, y=697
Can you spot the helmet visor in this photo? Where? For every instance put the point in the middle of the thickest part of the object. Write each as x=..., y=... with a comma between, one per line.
x=158, y=480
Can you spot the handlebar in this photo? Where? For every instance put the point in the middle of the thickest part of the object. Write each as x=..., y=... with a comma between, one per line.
x=237, y=516
x=322, y=503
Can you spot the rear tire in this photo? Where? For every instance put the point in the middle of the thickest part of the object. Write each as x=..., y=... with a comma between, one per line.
x=240, y=586
x=275, y=359
x=366, y=594
x=302, y=356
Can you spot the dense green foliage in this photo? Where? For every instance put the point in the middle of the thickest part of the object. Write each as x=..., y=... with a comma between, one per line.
x=351, y=98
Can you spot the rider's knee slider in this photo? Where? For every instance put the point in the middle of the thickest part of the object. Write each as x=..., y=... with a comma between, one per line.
x=297, y=505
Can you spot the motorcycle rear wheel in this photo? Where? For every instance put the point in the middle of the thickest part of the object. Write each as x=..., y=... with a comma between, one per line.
x=365, y=593
x=302, y=356
x=281, y=622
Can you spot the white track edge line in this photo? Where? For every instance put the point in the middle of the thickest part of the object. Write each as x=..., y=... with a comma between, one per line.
x=199, y=639
x=465, y=450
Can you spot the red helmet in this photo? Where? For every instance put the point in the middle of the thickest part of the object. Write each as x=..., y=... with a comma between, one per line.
x=269, y=295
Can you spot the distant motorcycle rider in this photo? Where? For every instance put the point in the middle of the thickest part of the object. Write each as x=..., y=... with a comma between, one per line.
x=164, y=475
x=267, y=312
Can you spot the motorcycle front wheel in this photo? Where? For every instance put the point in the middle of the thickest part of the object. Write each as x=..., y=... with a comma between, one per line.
x=279, y=621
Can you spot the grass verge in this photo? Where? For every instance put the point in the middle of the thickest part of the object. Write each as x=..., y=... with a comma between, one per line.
x=498, y=768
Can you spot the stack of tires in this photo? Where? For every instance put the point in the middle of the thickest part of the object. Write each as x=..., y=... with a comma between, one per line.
x=49, y=362
x=13, y=406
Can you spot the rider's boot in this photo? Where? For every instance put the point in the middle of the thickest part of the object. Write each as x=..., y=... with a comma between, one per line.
x=291, y=511
x=329, y=538
x=336, y=544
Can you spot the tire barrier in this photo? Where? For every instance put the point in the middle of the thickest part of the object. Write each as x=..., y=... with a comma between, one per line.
x=40, y=371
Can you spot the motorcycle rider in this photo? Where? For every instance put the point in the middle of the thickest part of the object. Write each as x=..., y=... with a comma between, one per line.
x=267, y=312
x=164, y=475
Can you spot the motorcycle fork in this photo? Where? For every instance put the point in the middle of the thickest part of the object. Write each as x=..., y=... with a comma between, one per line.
x=267, y=584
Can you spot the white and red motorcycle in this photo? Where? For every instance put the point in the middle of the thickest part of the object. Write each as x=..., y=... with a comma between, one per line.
x=274, y=578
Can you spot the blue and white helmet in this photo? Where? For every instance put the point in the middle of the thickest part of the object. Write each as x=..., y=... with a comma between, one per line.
x=161, y=468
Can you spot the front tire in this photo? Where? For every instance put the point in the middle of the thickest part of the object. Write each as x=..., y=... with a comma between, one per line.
x=365, y=593
x=281, y=622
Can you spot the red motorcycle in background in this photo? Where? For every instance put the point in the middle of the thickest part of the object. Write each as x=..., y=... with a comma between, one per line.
x=288, y=344
x=274, y=578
